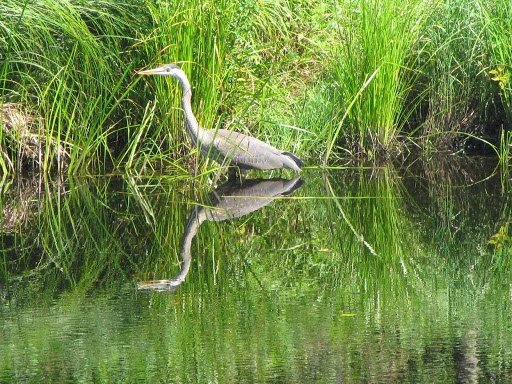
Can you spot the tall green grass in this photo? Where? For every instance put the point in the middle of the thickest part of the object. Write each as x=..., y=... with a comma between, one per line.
x=497, y=19
x=374, y=70
x=320, y=79
x=423, y=70
x=450, y=113
x=64, y=61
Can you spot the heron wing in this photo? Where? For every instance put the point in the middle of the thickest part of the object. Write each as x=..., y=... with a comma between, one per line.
x=245, y=151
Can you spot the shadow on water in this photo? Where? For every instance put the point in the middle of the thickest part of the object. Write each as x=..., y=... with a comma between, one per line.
x=233, y=199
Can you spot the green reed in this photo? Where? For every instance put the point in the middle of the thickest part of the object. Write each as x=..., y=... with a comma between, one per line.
x=454, y=90
x=374, y=69
x=423, y=70
x=322, y=79
x=496, y=18
x=63, y=62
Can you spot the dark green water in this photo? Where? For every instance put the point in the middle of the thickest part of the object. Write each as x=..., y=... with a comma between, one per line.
x=378, y=275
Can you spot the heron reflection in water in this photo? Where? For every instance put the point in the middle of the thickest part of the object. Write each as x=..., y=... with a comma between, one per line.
x=224, y=146
x=231, y=200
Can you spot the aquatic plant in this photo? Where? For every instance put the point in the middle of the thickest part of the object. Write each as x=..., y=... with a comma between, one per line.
x=496, y=18
x=63, y=62
x=323, y=79
x=374, y=70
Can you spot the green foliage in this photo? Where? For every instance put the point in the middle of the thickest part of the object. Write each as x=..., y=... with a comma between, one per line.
x=321, y=79
x=420, y=69
x=64, y=62
x=502, y=76
x=356, y=256
x=374, y=68
x=451, y=80
x=278, y=57
x=496, y=18
x=501, y=239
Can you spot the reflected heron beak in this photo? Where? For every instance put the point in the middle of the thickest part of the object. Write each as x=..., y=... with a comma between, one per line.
x=159, y=285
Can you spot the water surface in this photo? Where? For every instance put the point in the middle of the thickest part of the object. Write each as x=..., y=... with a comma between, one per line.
x=377, y=275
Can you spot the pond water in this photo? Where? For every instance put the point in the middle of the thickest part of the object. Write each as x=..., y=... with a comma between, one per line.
x=374, y=275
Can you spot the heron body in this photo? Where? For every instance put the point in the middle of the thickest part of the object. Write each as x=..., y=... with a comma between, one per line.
x=224, y=146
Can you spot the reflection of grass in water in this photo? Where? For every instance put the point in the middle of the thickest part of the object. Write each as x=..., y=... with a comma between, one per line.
x=90, y=231
x=381, y=246
x=278, y=283
x=367, y=232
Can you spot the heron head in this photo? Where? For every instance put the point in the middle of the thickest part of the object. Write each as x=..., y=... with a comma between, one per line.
x=164, y=70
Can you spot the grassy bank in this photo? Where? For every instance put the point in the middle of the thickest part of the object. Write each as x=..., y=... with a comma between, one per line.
x=322, y=79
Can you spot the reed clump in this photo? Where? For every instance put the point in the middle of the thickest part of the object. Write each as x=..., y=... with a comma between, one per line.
x=24, y=132
x=322, y=79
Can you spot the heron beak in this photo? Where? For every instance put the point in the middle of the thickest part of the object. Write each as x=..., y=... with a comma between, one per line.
x=154, y=71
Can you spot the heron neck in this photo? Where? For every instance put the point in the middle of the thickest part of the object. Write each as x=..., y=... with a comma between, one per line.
x=186, y=104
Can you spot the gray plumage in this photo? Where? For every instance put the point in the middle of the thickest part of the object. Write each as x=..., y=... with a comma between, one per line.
x=226, y=147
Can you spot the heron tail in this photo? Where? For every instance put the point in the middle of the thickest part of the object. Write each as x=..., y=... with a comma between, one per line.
x=295, y=159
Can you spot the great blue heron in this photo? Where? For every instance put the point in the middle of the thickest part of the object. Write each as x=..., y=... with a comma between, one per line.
x=229, y=201
x=224, y=146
